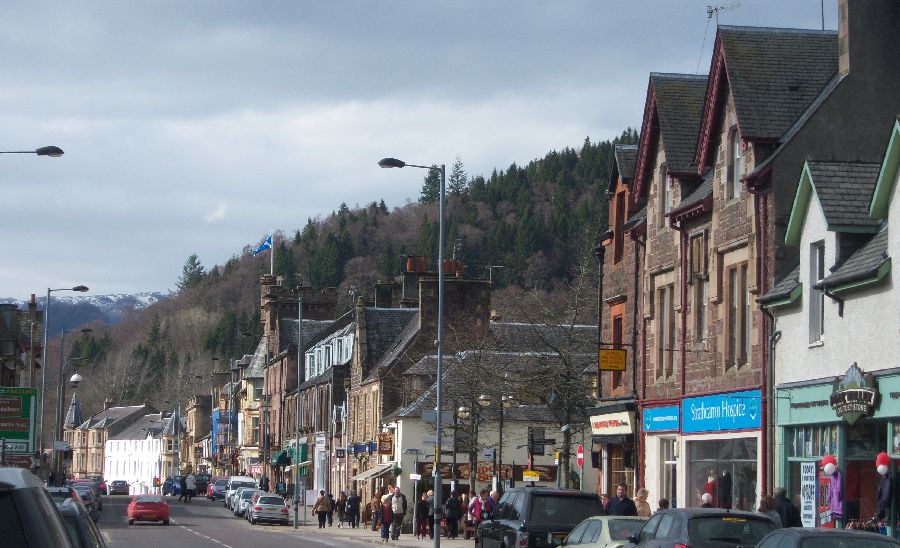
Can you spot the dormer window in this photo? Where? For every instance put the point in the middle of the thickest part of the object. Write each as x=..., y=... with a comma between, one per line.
x=733, y=179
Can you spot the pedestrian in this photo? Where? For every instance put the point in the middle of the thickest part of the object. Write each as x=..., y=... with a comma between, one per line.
x=341, y=508
x=621, y=505
x=707, y=500
x=790, y=515
x=51, y=481
x=430, y=494
x=331, y=505
x=320, y=508
x=190, y=482
x=397, y=502
x=767, y=507
x=182, y=486
x=453, y=512
x=353, y=502
x=387, y=517
x=662, y=504
x=604, y=501
x=640, y=502
x=375, y=511
x=481, y=508
x=422, y=511
x=264, y=483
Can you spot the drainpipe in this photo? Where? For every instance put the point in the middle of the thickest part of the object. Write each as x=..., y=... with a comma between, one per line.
x=766, y=408
x=600, y=252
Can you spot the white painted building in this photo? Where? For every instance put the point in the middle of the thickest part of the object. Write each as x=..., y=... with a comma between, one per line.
x=134, y=454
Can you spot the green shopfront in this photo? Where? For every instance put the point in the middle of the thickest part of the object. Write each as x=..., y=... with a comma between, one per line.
x=852, y=417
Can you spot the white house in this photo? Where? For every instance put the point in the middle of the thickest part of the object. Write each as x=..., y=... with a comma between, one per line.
x=837, y=325
x=134, y=454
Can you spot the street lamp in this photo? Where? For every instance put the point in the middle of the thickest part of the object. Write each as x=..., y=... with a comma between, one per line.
x=295, y=464
x=51, y=151
x=506, y=401
x=80, y=289
x=60, y=389
x=391, y=163
x=76, y=379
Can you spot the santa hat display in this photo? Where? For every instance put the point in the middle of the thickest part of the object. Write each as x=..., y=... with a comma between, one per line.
x=881, y=463
x=829, y=464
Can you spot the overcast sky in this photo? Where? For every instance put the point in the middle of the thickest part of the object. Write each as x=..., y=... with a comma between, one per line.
x=196, y=127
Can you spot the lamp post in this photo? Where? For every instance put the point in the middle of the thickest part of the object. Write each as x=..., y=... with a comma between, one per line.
x=75, y=380
x=295, y=468
x=485, y=400
x=51, y=151
x=80, y=289
x=60, y=388
x=391, y=163
x=568, y=429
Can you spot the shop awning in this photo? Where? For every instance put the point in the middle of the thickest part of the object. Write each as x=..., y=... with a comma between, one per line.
x=280, y=458
x=374, y=472
x=303, y=467
x=614, y=439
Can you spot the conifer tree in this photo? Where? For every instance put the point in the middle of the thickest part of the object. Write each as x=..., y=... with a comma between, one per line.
x=191, y=274
x=456, y=182
x=431, y=187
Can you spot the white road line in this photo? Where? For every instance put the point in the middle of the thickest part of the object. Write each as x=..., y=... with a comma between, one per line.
x=202, y=535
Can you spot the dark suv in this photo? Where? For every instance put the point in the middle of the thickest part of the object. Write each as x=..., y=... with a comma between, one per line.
x=537, y=517
x=28, y=516
x=703, y=528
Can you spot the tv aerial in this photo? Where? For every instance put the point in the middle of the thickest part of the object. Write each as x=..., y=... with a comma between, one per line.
x=714, y=10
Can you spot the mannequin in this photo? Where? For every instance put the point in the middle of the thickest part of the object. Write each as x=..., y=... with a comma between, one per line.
x=711, y=486
x=835, y=490
x=885, y=486
x=723, y=490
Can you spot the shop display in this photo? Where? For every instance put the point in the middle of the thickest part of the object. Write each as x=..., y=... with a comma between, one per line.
x=885, y=485
x=835, y=487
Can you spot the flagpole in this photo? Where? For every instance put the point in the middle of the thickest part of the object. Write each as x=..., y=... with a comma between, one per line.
x=272, y=256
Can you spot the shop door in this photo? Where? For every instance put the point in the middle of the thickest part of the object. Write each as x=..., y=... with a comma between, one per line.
x=617, y=471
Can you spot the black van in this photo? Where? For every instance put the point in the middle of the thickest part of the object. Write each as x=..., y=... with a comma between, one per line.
x=537, y=516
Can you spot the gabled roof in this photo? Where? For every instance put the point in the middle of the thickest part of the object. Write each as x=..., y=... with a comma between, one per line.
x=257, y=361
x=843, y=191
x=772, y=74
x=112, y=415
x=868, y=264
x=884, y=187
x=287, y=330
x=786, y=290
x=526, y=337
x=388, y=332
x=624, y=157
x=672, y=111
x=73, y=414
x=698, y=201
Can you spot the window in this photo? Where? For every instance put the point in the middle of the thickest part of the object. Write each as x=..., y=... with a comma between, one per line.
x=670, y=470
x=733, y=179
x=665, y=330
x=339, y=350
x=738, y=310
x=254, y=430
x=618, y=232
x=700, y=280
x=663, y=193
x=618, y=377
x=726, y=469
x=816, y=296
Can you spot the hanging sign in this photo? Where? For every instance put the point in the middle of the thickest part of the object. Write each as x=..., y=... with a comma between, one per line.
x=612, y=359
x=855, y=394
x=808, y=485
x=385, y=443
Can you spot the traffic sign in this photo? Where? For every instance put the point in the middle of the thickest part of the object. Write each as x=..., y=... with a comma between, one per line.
x=580, y=454
x=17, y=424
x=487, y=453
x=415, y=477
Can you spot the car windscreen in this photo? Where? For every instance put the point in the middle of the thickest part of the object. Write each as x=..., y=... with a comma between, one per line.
x=841, y=541
x=562, y=512
x=621, y=529
x=278, y=501
x=238, y=484
x=221, y=483
x=726, y=531
x=247, y=495
x=60, y=496
x=148, y=498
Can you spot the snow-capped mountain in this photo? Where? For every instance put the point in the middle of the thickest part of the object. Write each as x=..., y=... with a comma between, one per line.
x=72, y=310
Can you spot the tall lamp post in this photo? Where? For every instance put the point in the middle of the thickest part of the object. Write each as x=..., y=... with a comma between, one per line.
x=80, y=289
x=390, y=163
x=506, y=401
x=295, y=466
x=75, y=380
x=60, y=388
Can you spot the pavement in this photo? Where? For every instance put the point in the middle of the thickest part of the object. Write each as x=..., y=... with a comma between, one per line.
x=365, y=535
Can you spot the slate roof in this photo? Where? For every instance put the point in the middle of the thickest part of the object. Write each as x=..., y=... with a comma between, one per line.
x=775, y=74
x=679, y=107
x=138, y=430
x=108, y=417
x=388, y=332
x=499, y=361
x=311, y=329
x=170, y=423
x=73, y=414
x=525, y=337
x=626, y=157
x=696, y=197
x=257, y=361
x=639, y=217
x=844, y=190
x=862, y=265
x=783, y=287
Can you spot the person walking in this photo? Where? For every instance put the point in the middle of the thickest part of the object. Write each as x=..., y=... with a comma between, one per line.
x=182, y=487
x=320, y=508
x=375, y=511
x=387, y=517
x=331, y=504
x=790, y=515
x=640, y=502
x=430, y=513
x=352, y=509
x=453, y=511
x=190, y=482
x=422, y=517
x=341, y=508
x=397, y=502
x=621, y=505
x=767, y=507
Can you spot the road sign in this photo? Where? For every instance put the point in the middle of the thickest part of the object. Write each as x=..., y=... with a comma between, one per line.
x=415, y=477
x=612, y=359
x=580, y=454
x=61, y=446
x=430, y=416
x=17, y=425
x=488, y=453
x=531, y=475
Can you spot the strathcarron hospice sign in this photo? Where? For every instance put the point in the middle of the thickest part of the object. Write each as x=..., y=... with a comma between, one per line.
x=855, y=395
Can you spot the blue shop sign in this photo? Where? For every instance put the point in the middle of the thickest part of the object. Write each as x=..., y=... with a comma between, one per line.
x=718, y=412
x=659, y=419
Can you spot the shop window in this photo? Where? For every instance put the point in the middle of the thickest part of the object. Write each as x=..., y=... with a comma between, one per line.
x=618, y=232
x=669, y=459
x=620, y=468
x=618, y=377
x=726, y=469
x=699, y=278
x=816, y=296
x=812, y=441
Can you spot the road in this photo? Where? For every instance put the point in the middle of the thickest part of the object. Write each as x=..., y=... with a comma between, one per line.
x=205, y=524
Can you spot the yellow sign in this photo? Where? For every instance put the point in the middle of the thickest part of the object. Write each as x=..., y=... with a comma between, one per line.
x=531, y=475
x=612, y=359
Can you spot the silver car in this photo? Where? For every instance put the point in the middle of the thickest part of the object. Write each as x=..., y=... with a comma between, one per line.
x=267, y=507
x=242, y=500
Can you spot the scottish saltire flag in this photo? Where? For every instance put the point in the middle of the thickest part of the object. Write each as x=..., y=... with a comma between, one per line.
x=266, y=244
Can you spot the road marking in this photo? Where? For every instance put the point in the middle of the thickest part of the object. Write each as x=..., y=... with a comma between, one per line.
x=201, y=534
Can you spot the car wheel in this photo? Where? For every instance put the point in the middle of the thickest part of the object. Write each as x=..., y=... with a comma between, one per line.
x=131, y=522
x=165, y=522
x=252, y=521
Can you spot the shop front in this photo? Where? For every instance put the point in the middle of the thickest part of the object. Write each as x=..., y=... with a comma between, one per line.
x=613, y=445
x=660, y=427
x=852, y=417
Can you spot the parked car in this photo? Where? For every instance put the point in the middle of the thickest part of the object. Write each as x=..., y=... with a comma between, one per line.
x=235, y=482
x=61, y=494
x=118, y=487
x=101, y=483
x=243, y=499
x=813, y=538
x=202, y=480
x=80, y=525
x=148, y=508
x=93, y=486
x=707, y=527
x=172, y=485
x=268, y=508
x=89, y=499
x=605, y=531
x=217, y=488
x=30, y=518
x=537, y=516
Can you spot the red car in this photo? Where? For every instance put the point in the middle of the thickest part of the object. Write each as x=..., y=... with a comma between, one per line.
x=148, y=508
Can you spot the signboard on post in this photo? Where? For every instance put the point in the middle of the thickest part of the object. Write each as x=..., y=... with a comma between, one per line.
x=531, y=475
x=808, y=484
x=612, y=359
x=385, y=443
x=580, y=454
x=17, y=426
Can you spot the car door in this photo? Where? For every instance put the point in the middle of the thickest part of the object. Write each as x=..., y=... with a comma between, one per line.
x=666, y=532
x=648, y=532
x=493, y=530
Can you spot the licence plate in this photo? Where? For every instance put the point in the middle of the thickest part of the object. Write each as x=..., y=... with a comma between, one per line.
x=556, y=539
x=150, y=516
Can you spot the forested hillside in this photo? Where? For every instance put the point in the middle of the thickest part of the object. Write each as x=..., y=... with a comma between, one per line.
x=535, y=222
